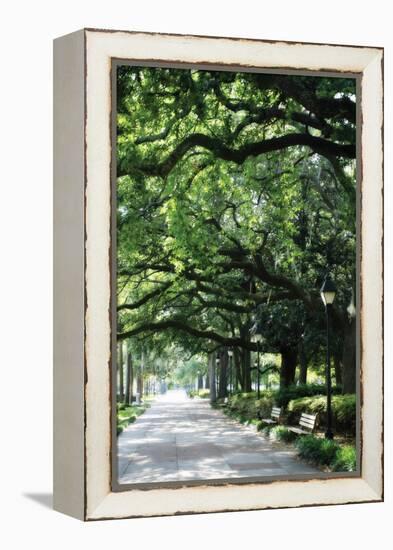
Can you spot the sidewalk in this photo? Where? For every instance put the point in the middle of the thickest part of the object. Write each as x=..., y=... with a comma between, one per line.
x=180, y=439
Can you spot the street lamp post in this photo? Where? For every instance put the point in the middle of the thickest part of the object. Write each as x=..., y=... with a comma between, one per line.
x=258, y=338
x=328, y=292
x=217, y=381
x=230, y=355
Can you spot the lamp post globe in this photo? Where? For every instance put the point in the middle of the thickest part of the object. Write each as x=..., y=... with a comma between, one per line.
x=328, y=291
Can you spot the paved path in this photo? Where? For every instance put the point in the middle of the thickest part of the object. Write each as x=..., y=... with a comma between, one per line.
x=179, y=439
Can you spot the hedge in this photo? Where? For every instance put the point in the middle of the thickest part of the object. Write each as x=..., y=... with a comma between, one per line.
x=284, y=395
x=246, y=406
x=203, y=393
x=343, y=408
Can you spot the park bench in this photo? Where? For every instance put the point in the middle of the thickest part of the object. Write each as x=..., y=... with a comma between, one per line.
x=307, y=424
x=275, y=416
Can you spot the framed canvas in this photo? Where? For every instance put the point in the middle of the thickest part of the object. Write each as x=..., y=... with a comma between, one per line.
x=207, y=190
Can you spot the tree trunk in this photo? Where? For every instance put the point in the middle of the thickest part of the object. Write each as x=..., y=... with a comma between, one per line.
x=200, y=382
x=337, y=369
x=139, y=385
x=246, y=360
x=223, y=379
x=237, y=375
x=349, y=357
x=140, y=377
x=303, y=364
x=121, y=372
x=247, y=371
x=129, y=379
x=288, y=365
x=207, y=380
x=212, y=376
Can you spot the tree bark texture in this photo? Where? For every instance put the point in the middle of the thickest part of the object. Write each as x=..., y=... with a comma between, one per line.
x=212, y=376
x=288, y=365
x=129, y=379
x=223, y=377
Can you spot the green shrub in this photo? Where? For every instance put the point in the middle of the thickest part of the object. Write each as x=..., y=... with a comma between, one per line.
x=266, y=429
x=345, y=459
x=317, y=450
x=261, y=425
x=249, y=407
x=344, y=410
x=284, y=395
x=126, y=414
x=203, y=393
x=339, y=458
x=343, y=406
x=283, y=434
x=311, y=405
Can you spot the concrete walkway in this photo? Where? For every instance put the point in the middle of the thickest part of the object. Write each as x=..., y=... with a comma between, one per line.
x=180, y=439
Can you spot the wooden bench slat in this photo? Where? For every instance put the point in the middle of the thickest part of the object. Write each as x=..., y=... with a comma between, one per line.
x=309, y=416
x=275, y=416
x=308, y=426
x=297, y=430
x=306, y=421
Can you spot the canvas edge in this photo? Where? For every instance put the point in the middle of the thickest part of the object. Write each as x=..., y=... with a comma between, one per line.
x=68, y=274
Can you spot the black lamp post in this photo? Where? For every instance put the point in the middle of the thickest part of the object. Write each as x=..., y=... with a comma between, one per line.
x=217, y=375
x=328, y=292
x=256, y=336
x=230, y=355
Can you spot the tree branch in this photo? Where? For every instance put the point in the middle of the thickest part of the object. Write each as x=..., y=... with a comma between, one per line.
x=239, y=155
x=181, y=326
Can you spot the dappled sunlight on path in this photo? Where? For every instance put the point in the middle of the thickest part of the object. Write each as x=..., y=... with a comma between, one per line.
x=179, y=439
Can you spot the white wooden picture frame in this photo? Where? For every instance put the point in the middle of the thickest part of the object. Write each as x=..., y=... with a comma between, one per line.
x=82, y=256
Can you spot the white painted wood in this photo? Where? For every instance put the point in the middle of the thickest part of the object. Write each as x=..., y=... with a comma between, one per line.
x=68, y=467
x=371, y=272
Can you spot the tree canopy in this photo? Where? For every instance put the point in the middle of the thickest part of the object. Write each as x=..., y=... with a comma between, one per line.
x=235, y=196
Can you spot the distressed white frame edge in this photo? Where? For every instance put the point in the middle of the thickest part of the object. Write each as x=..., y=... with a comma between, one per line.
x=69, y=275
x=100, y=502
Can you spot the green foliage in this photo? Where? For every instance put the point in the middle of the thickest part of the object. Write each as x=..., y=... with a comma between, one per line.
x=282, y=434
x=343, y=407
x=185, y=372
x=203, y=394
x=128, y=414
x=317, y=450
x=325, y=452
x=284, y=395
x=202, y=204
x=344, y=411
x=265, y=428
x=247, y=406
x=261, y=425
x=345, y=459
